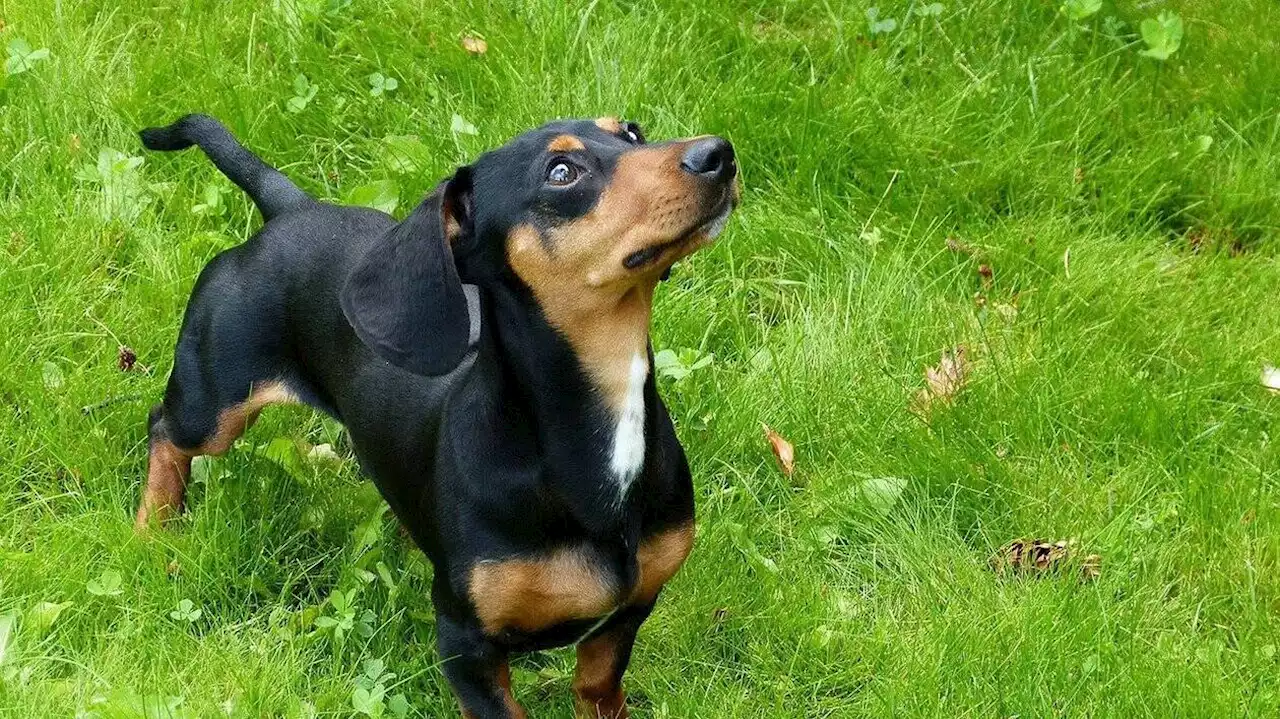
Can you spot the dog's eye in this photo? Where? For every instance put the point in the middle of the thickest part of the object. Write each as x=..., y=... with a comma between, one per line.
x=633, y=133
x=561, y=173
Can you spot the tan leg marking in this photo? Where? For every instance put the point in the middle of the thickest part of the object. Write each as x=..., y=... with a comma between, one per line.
x=234, y=420
x=167, y=471
x=169, y=466
x=504, y=681
x=597, y=681
x=597, y=692
x=660, y=557
x=533, y=594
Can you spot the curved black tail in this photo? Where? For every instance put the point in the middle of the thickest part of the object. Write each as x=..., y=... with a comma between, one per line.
x=272, y=192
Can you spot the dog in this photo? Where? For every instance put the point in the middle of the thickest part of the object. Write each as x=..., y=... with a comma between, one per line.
x=489, y=356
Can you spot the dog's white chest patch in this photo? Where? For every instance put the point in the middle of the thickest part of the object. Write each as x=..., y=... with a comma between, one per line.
x=628, y=438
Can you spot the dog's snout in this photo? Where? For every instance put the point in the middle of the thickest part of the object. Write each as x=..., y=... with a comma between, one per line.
x=710, y=157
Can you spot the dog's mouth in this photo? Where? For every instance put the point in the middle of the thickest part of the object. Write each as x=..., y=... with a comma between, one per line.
x=707, y=229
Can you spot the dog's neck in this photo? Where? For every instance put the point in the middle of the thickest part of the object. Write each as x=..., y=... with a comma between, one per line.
x=611, y=342
x=564, y=355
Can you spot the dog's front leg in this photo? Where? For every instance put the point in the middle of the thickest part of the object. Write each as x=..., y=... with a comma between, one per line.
x=602, y=660
x=477, y=670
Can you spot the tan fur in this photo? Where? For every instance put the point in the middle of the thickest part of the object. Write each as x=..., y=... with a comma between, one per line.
x=529, y=594
x=533, y=594
x=609, y=124
x=577, y=274
x=565, y=143
x=660, y=557
x=452, y=228
x=169, y=466
x=233, y=421
x=596, y=688
x=167, y=471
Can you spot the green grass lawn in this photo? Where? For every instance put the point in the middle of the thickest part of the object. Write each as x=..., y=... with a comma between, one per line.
x=1126, y=211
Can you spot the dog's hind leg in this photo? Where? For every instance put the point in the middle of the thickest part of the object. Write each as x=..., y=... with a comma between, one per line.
x=168, y=469
x=171, y=447
x=169, y=458
x=204, y=411
x=230, y=361
x=477, y=670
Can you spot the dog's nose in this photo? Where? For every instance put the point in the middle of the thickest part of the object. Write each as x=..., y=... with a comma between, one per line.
x=710, y=157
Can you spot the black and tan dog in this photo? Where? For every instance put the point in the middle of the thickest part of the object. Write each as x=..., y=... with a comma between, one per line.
x=490, y=357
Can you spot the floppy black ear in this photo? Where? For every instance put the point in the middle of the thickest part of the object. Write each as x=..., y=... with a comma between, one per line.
x=403, y=296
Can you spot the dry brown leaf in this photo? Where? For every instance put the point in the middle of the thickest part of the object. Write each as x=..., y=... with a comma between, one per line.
x=782, y=451
x=944, y=381
x=1045, y=555
x=1078, y=176
x=1196, y=238
x=1041, y=556
x=474, y=44
x=1249, y=516
x=949, y=376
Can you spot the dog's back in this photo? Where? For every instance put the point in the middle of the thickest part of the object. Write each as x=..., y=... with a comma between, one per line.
x=263, y=324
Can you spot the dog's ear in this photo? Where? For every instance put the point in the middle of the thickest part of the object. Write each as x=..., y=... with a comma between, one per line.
x=403, y=296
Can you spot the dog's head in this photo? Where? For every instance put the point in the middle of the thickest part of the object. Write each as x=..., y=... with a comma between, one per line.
x=584, y=214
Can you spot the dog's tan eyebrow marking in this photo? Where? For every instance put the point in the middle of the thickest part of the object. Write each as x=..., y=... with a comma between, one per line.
x=609, y=124
x=565, y=143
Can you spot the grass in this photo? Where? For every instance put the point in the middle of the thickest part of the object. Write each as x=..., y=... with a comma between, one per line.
x=1113, y=396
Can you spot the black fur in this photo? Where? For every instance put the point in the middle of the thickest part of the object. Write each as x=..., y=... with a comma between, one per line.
x=404, y=298
x=271, y=191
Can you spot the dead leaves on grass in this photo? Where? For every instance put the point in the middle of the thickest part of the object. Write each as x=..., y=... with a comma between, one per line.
x=126, y=361
x=988, y=276
x=943, y=381
x=1091, y=567
x=782, y=451
x=1040, y=557
x=474, y=44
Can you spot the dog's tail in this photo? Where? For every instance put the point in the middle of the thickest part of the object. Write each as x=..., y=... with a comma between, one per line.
x=272, y=192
